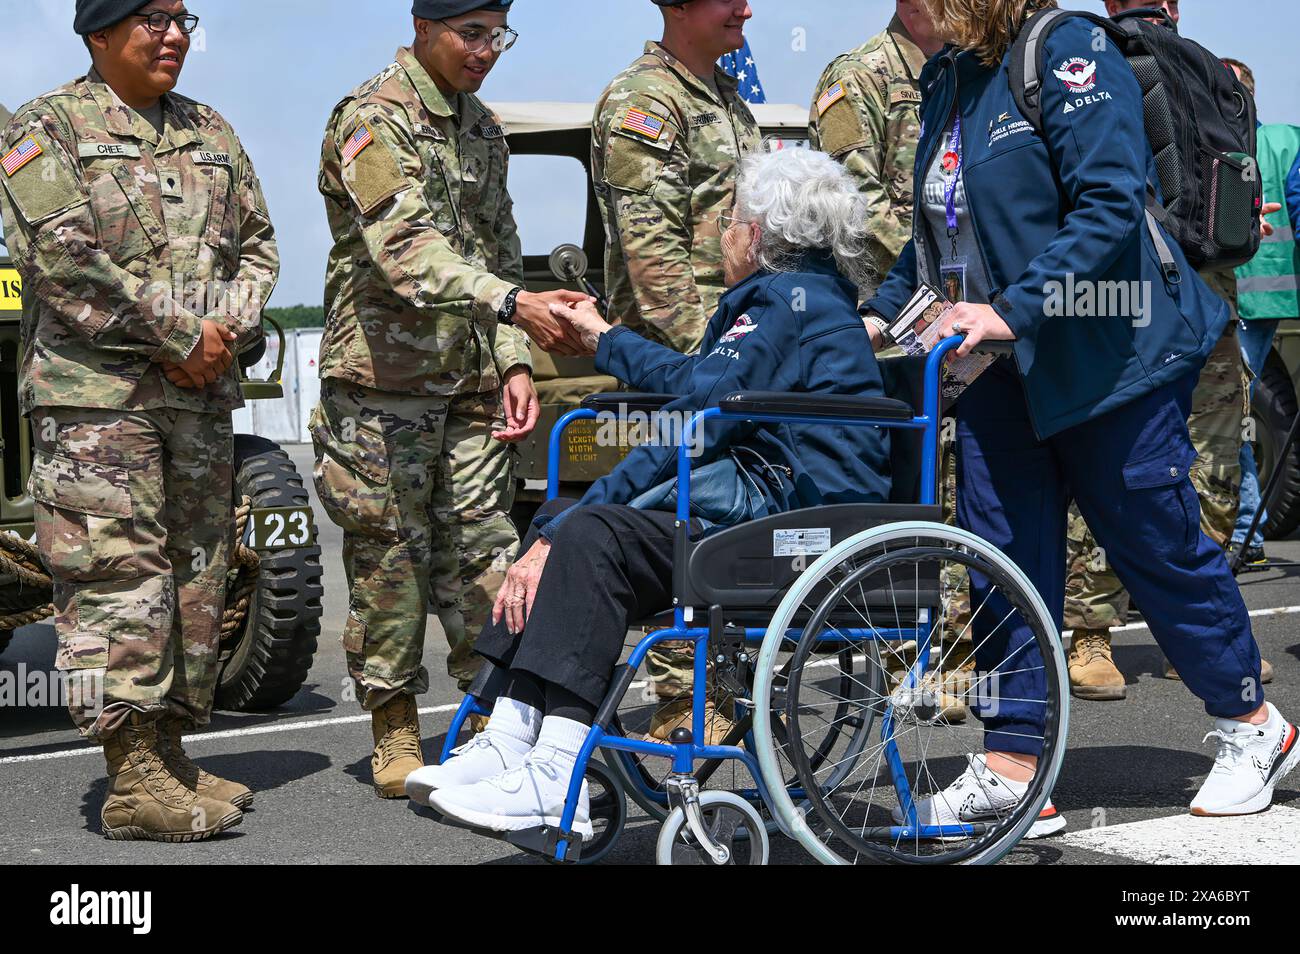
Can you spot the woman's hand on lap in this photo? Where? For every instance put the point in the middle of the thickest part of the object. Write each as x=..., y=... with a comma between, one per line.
x=515, y=598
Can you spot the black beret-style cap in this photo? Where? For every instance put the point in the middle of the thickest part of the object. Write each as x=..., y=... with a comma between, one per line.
x=95, y=15
x=441, y=9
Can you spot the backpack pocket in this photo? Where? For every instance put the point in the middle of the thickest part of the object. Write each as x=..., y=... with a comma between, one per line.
x=1234, y=203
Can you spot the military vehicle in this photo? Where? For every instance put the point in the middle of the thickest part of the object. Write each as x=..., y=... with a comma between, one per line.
x=273, y=609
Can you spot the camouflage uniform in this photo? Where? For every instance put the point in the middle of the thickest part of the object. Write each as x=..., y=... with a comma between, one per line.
x=1094, y=596
x=665, y=156
x=867, y=114
x=126, y=239
x=412, y=362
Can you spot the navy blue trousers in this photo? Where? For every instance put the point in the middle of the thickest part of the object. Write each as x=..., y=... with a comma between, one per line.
x=1128, y=472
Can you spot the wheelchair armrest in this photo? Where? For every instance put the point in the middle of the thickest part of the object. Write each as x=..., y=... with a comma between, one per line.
x=739, y=403
x=632, y=401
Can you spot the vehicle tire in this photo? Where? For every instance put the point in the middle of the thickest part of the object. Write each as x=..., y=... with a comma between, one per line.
x=1274, y=407
x=269, y=662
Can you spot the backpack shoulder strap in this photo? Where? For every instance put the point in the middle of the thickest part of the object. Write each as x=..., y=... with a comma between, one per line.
x=1025, y=67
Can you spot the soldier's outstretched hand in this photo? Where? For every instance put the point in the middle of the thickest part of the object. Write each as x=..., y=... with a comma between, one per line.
x=532, y=313
x=522, y=406
x=209, y=360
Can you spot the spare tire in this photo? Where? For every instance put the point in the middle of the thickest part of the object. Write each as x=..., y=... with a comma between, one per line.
x=269, y=661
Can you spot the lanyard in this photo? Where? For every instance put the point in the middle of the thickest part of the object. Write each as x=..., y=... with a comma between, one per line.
x=950, y=188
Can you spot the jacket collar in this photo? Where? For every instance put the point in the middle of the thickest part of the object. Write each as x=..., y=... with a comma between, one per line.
x=815, y=261
x=727, y=84
x=121, y=120
x=432, y=98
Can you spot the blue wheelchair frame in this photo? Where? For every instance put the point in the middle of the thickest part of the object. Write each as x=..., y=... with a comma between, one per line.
x=684, y=754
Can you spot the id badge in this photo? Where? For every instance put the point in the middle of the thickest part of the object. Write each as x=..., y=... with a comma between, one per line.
x=952, y=279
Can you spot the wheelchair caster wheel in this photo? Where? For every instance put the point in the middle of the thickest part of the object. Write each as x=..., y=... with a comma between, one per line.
x=736, y=831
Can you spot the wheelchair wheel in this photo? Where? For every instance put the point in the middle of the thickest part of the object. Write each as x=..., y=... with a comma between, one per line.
x=608, y=812
x=847, y=730
x=918, y=791
x=730, y=822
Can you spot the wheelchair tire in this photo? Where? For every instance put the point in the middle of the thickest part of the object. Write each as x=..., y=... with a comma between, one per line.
x=730, y=819
x=608, y=812
x=867, y=555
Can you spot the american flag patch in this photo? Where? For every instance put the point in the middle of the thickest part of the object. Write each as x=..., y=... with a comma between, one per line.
x=829, y=98
x=641, y=122
x=20, y=155
x=358, y=141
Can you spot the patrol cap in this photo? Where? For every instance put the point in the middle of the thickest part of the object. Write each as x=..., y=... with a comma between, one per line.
x=95, y=15
x=441, y=9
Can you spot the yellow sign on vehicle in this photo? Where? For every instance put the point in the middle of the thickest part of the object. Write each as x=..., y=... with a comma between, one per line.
x=11, y=290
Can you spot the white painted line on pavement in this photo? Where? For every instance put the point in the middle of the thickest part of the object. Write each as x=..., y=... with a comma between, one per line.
x=225, y=734
x=429, y=710
x=1268, y=838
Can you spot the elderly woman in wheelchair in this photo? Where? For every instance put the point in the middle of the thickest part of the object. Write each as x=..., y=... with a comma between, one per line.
x=785, y=414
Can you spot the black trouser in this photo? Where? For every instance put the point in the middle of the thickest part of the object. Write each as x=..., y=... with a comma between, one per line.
x=609, y=566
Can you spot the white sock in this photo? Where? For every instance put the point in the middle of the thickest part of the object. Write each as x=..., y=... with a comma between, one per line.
x=1272, y=724
x=515, y=720
x=562, y=739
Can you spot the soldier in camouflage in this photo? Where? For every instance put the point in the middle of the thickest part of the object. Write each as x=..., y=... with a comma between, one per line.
x=667, y=139
x=425, y=380
x=866, y=114
x=140, y=230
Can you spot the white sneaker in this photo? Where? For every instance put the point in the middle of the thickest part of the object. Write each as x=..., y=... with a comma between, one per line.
x=488, y=753
x=528, y=796
x=979, y=794
x=1048, y=822
x=1251, y=760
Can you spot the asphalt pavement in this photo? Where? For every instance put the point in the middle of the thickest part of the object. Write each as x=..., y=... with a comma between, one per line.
x=1131, y=769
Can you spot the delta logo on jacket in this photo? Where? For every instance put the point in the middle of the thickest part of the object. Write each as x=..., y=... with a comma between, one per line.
x=1079, y=77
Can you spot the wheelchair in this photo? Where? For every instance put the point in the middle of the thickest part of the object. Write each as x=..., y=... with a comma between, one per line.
x=832, y=637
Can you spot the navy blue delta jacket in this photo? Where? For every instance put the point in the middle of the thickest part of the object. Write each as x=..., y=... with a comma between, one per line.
x=1056, y=217
x=774, y=331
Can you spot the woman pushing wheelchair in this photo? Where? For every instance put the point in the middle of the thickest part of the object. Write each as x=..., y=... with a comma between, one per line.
x=788, y=322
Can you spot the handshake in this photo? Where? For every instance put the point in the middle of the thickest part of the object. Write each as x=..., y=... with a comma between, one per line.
x=561, y=322
x=208, y=360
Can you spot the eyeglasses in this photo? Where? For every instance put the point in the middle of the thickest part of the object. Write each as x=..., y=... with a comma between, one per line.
x=725, y=221
x=476, y=40
x=160, y=22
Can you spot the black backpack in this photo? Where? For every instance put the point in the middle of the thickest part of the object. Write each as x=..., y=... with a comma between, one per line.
x=1200, y=122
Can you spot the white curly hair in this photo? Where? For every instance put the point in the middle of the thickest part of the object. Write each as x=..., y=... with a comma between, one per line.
x=802, y=199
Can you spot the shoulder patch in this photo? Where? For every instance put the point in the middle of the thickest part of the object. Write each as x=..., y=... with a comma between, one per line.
x=24, y=152
x=741, y=327
x=356, y=142
x=833, y=94
x=643, y=124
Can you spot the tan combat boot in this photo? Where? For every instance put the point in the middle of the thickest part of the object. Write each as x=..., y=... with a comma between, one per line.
x=396, y=728
x=146, y=801
x=678, y=714
x=477, y=722
x=1092, y=670
x=194, y=777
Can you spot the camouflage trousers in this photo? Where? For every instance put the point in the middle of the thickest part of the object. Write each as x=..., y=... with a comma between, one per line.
x=134, y=518
x=1094, y=596
x=423, y=495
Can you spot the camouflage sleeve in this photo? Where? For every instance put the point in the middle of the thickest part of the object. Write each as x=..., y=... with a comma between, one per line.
x=511, y=345
x=53, y=240
x=848, y=121
x=650, y=191
x=405, y=236
x=259, y=260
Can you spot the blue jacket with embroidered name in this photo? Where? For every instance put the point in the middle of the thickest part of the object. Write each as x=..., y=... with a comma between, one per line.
x=1062, y=214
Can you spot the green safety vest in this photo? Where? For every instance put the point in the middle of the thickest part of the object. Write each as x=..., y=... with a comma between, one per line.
x=1267, y=285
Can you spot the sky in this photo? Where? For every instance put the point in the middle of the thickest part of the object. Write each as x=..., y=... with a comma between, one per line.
x=276, y=68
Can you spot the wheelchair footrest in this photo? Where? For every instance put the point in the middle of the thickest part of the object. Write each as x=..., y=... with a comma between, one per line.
x=536, y=841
